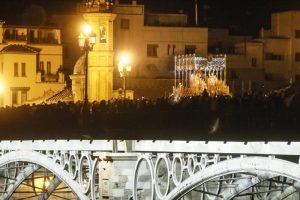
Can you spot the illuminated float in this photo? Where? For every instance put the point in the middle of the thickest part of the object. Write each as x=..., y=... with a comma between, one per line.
x=195, y=74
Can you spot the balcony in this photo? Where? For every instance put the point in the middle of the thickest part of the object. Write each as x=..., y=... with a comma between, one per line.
x=95, y=7
x=44, y=40
x=49, y=78
x=14, y=37
x=32, y=35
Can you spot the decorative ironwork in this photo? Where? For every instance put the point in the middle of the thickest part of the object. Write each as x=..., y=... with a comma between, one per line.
x=90, y=6
x=214, y=176
x=163, y=169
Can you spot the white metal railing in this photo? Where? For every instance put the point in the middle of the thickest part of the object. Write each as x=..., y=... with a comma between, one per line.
x=229, y=147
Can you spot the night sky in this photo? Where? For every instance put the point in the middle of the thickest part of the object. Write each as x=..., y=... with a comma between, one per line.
x=240, y=16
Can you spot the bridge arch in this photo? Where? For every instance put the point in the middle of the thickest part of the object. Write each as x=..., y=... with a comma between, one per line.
x=42, y=160
x=256, y=165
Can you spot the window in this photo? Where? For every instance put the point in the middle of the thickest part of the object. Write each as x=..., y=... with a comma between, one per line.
x=297, y=33
x=31, y=36
x=152, y=50
x=190, y=49
x=14, y=33
x=297, y=57
x=125, y=24
x=174, y=47
x=42, y=69
x=16, y=69
x=268, y=56
x=48, y=67
x=40, y=39
x=23, y=69
x=152, y=67
x=23, y=97
x=171, y=49
x=103, y=34
x=233, y=74
x=14, y=97
x=272, y=56
x=253, y=62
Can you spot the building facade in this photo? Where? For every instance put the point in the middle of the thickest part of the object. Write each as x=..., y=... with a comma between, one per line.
x=154, y=39
x=30, y=63
x=151, y=40
x=273, y=59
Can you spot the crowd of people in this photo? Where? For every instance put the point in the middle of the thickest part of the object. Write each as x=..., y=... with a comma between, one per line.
x=250, y=116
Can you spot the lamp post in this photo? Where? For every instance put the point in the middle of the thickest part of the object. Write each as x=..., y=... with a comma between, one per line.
x=86, y=41
x=124, y=67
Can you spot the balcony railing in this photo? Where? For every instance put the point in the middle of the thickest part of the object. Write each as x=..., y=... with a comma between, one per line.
x=46, y=40
x=94, y=7
x=15, y=37
x=49, y=78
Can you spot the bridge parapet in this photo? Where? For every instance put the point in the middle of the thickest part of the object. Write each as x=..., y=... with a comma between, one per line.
x=157, y=146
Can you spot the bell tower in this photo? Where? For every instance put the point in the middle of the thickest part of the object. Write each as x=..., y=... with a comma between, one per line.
x=100, y=59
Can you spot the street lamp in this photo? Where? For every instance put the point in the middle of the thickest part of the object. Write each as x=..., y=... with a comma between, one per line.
x=86, y=41
x=124, y=67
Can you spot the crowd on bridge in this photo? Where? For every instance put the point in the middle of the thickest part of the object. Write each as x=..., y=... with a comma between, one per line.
x=248, y=116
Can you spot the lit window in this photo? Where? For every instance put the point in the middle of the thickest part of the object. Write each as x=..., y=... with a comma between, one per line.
x=48, y=67
x=152, y=50
x=125, y=24
x=297, y=57
x=23, y=69
x=16, y=69
x=14, y=97
x=297, y=33
x=190, y=49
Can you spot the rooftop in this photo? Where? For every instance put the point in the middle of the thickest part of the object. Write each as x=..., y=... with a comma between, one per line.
x=16, y=48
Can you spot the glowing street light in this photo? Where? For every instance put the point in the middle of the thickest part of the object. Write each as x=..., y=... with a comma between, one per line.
x=124, y=68
x=86, y=41
x=87, y=29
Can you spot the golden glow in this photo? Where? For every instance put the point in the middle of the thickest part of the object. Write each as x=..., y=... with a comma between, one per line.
x=2, y=85
x=1, y=88
x=47, y=183
x=41, y=183
x=125, y=59
x=124, y=64
x=87, y=29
